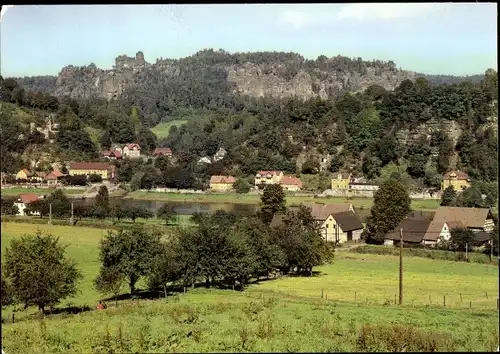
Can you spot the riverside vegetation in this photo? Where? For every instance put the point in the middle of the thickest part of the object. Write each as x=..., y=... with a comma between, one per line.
x=339, y=306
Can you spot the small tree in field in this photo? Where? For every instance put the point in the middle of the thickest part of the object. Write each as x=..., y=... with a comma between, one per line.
x=38, y=272
x=110, y=281
x=166, y=213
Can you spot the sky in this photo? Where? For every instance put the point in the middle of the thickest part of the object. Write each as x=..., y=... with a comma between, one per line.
x=433, y=38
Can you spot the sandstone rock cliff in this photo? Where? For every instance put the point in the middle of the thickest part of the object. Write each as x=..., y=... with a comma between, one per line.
x=296, y=77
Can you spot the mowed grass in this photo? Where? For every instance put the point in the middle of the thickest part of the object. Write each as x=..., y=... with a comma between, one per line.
x=374, y=279
x=39, y=191
x=235, y=198
x=287, y=314
x=162, y=130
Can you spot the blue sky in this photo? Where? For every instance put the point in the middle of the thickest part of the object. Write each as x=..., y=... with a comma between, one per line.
x=435, y=38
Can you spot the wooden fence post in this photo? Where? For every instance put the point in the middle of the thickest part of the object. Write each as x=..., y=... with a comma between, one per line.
x=321, y=293
x=326, y=298
x=486, y=294
x=470, y=305
x=430, y=301
x=13, y=318
x=444, y=300
x=355, y=296
x=395, y=299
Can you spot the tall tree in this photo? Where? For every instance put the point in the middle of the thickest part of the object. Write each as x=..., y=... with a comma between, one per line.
x=391, y=204
x=272, y=202
x=448, y=197
x=102, y=208
x=39, y=272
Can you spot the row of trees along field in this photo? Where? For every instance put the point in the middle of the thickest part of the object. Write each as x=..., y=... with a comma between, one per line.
x=223, y=250
x=360, y=130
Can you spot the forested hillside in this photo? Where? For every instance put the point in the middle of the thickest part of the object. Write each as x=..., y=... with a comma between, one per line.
x=271, y=111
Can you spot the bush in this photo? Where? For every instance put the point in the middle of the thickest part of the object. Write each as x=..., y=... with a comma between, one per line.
x=93, y=178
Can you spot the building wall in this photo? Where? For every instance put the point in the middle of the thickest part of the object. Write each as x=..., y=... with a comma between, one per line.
x=489, y=225
x=291, y=188
x=220, y=187
x=21, y=207
x=342, y=184
x=21, y=175
x=458, y=184
x=275, y=179
x=102, y=173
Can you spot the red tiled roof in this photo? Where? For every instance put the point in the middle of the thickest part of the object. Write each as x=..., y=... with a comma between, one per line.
x=131, y=146
x=222, y=179
x=162, y=151
x=108, y=153
x=89, y=166
x=272, y=173
x=28, y=198
x=460, y=175
x=291, y=181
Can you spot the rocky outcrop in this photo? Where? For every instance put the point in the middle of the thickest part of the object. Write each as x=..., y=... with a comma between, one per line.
x=325, y=79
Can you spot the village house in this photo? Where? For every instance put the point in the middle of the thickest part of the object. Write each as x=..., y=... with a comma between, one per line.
x=413, y=231
x=162, y=152
x=291, y=184
x=221, y=183
x=103, y=169
x=338, y=222
x=54, y=177
x=341, y=181
x=459, y=180
x=39, y=176
x=431, y=232
x=132, y=151
x=112, y=154
x=24, y=174
x=331, y=217
x=23, y=201
x=475, y=219
x=268, y=177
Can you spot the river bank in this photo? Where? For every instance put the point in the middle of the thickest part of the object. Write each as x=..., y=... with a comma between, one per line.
x=234, y=198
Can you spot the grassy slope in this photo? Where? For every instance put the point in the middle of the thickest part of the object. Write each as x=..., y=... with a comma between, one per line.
x=162, y=129
x=285, y=314
x=255, y=199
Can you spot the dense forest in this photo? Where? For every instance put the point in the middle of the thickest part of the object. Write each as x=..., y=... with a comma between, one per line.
x=366, y=132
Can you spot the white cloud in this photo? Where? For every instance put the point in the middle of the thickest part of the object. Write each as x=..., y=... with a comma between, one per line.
x=359, y=12
x=4, y=10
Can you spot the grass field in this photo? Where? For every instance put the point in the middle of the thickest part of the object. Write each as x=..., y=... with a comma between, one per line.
x=163, y=129
x=234, y=198
x=39, y=191
x=287, y=314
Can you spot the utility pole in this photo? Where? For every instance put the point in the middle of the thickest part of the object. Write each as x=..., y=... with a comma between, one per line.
x=71, y=219
x=401, y=266
x=50, y=214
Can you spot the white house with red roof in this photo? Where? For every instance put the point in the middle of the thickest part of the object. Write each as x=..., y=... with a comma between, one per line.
x=268, y=177
x=23, y=201
x=291, y=184
x=132, y=151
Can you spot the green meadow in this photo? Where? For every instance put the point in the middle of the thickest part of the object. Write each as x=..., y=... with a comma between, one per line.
x=356, y=313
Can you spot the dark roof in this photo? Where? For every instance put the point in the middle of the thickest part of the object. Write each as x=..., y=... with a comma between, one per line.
x=482, y=236
x=470, y=217
x=413, y=230
x=348, y=221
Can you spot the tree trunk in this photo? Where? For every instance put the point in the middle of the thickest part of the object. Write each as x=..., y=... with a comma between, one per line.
x=132, y=281
x=116, y=300
x=207, y=283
